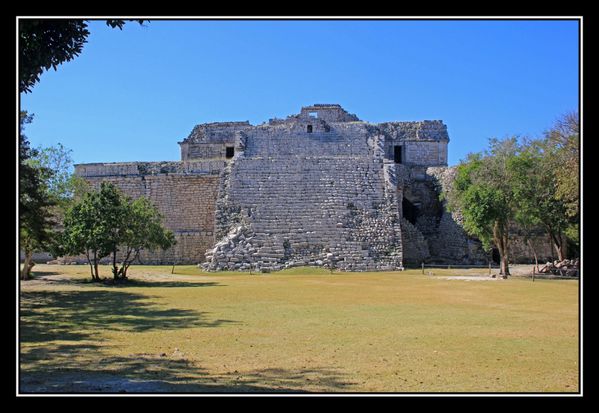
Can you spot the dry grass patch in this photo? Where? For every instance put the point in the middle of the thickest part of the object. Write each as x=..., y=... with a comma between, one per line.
x=294, y=331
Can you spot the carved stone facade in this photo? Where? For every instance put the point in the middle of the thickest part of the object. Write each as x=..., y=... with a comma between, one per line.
x=320, y=187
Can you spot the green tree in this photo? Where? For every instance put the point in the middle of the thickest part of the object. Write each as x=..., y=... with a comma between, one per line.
x=86, y=230
x=562, y=147
x=483, y=195
x=47, y=43
x=35, y=217
x=534, y=183
x=106, y=222
x=143, y=230
x=58, y=160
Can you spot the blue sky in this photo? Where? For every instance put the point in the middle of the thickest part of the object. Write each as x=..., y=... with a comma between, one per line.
x=133, y=94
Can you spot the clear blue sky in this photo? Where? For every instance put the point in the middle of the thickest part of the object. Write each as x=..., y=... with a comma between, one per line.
x=133, y=94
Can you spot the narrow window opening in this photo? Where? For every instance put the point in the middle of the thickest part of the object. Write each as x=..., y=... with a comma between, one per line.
x=309, y=128
x=230, y=151
x=397, y=154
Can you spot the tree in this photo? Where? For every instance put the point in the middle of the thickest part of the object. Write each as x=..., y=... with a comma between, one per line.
x=35, y=217
x=534, y=182
x=106, y=222
x=562, y=147
x=85, y=230
x=483, y=194
x=144, y=230
x=47, y=43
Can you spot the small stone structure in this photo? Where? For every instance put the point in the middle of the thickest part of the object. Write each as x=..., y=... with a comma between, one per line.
x=320, y=188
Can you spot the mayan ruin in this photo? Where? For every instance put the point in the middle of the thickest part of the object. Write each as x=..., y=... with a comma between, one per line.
x=320, y=188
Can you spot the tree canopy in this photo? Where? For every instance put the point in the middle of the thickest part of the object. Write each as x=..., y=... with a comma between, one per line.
x=106, y=222
x=35, y=217
x=483, y=194
x=528, y=184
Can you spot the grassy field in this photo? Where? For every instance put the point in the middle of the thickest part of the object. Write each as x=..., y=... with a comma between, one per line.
x=301, y=330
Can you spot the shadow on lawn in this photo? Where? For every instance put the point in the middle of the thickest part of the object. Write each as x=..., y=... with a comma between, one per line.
x=133, y=283
x=62, y=350
x=146, y=373
x=80, y=315
x=129, y=283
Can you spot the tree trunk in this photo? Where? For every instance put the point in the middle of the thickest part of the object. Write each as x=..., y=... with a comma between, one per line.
x=115, y=270
x=500, y=236
x=534, y=253
x=91, y=267
x=504, y=268
x=27, y=265
x=125, y=264
x=558, y=244
x=97, y=275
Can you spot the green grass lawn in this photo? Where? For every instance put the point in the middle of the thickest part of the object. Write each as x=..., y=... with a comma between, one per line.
x=297, y=330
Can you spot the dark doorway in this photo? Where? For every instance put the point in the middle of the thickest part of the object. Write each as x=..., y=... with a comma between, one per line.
x=309, y=128
x=230, y=151
x=409, y=211
x=397, y=154
x=495, y=257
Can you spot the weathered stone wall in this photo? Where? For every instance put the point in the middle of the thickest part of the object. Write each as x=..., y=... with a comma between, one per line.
x=415, y=245
x=209, y=140
x=316, y=188
x=187, y=201
x=425, y=153
x=297, y=198
x=292, y=139
x=521, y=252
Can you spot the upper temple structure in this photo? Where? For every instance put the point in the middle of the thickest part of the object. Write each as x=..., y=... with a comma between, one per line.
x=321, y=187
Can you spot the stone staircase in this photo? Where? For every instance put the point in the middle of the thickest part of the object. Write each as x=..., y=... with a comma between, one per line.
x=277, y=209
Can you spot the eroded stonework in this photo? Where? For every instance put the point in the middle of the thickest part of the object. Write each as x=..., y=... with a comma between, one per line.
x=319, y=188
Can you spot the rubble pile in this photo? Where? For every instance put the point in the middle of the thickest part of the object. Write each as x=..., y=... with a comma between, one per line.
x=568, y=268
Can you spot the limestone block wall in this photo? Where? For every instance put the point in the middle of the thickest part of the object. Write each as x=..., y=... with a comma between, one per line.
x=343, y=139
x=415, y=245
x=521, y=252
x=208, y=141
x=203, y=150
x=302, y=199
x=425, y=153
x=186, y=200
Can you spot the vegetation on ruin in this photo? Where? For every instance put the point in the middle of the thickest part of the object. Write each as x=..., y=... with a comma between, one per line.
x=300, y=330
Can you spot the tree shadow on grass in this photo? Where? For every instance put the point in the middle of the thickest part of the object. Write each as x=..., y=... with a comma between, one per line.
x=62, y=350
x=129, y=283
x=147, y=373
x=133, y=283
x=80, y=315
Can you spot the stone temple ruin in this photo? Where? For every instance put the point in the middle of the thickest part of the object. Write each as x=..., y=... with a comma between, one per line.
x=321, y=187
